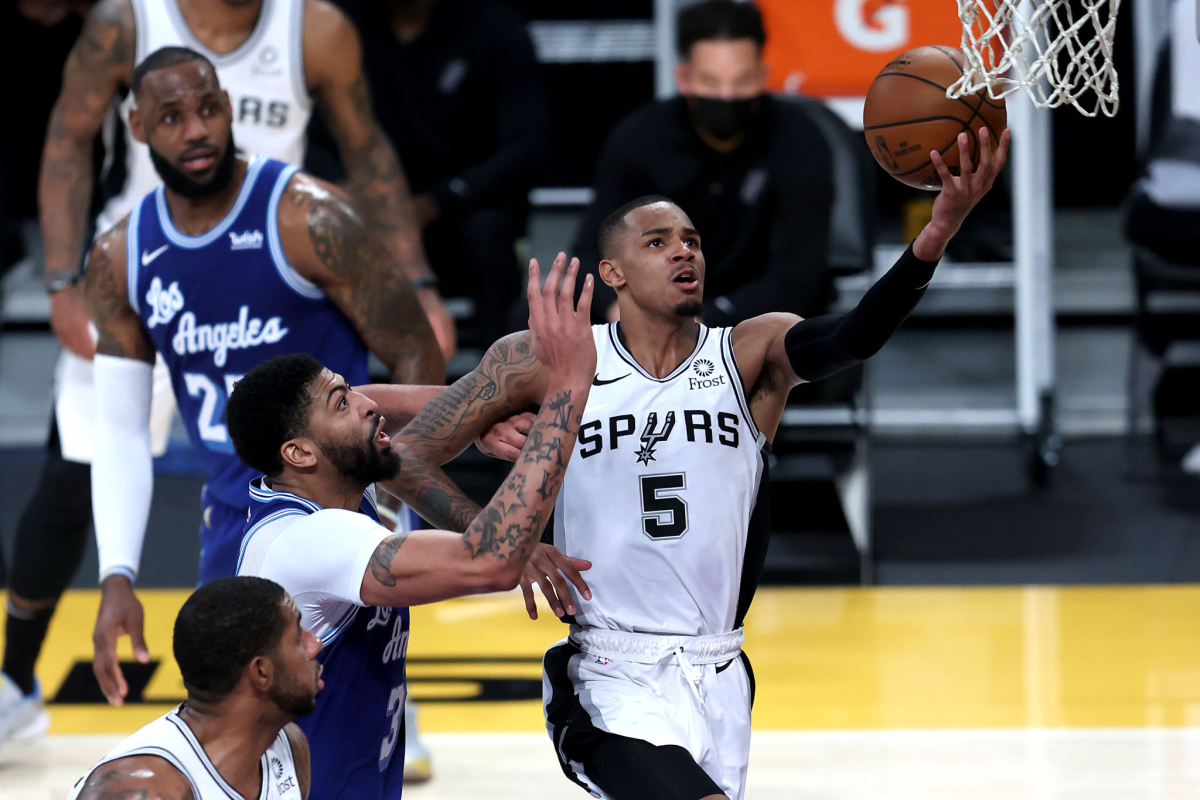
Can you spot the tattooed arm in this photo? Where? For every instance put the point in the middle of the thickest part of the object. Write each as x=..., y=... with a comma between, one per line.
x=137, y=778
x=427, y=566
x=327, y=242
x=334, y=70
x=99, y=63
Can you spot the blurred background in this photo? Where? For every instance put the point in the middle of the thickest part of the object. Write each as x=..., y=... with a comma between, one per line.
x=1034, y=423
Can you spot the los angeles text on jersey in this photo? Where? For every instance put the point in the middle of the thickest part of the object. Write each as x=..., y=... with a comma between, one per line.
x=698, y=426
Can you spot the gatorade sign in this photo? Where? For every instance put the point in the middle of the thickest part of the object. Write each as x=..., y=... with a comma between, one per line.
x=834, y=48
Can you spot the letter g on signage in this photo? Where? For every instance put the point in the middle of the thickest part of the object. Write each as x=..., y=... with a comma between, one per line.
x=886, y=30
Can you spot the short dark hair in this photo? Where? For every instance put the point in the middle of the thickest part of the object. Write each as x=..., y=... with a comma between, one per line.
x=614, y=223
x=221, y=627
x=722, y=20
x=269, y=406
x=165, y=57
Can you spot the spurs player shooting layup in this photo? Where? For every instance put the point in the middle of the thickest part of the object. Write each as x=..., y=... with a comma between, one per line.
x=650, y=695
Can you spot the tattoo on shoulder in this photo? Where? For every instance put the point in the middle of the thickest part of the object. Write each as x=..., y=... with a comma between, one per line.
x=381, y=559
x=107, y=38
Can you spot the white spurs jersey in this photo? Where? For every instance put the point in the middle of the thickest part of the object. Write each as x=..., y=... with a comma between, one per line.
x=660, y=493
x=264, y=77
x=170, y=739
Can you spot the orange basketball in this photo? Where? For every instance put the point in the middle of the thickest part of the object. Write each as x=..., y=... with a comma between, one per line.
x=907, y=114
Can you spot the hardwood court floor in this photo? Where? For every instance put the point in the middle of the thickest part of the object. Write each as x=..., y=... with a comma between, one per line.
x=1004, y=692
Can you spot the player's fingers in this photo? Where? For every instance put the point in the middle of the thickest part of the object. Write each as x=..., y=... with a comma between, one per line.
x=523, y=422
x=108, y=675
x=548, y=592
x=965, y=167
x=550, y=289
x=942, y=170
x=530, y=602
x=1002, y=150
x=584, y=309
x=138, y=640
x=563, y=591
x=985, y=153
x=533, y=294
x=566, y=294
x=569, y=569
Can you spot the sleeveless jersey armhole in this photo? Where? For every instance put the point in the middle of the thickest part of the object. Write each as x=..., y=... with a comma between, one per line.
x=739, y=388
x=287, y=273
x=131, y=257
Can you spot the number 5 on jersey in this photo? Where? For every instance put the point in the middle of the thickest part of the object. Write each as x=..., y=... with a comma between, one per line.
x=664, y=512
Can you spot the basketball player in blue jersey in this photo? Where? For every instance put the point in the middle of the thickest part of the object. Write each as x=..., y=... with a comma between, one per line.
x=281, y=61
x=650, y=695
x=321, y=445
x=230, y=262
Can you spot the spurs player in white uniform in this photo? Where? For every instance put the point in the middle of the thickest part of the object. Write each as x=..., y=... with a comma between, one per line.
x=249, y=669
x=650, y=695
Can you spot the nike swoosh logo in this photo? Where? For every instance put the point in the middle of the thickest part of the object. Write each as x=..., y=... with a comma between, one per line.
x=148, y=257
x=597, y=382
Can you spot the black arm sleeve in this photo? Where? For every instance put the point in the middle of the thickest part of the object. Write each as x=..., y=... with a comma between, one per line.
x=822, y=346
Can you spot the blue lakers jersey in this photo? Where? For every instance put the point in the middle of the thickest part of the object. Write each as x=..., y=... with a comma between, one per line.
x=356, y=734
x=219, y=304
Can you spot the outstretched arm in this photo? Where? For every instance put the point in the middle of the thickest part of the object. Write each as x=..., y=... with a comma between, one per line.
x=426, y=566
x=778, y=351
x=333, y=66
x=509, y=379
x=122, y=466
x=99, y=63
x=328, y=243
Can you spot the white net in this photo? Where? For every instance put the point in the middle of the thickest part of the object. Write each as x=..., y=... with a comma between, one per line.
x=1047, y=47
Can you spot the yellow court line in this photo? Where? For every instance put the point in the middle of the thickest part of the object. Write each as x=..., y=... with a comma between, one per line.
x=884, y=658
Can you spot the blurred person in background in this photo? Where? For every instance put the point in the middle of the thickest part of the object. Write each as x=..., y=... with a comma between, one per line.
x=753, y=171
x=457, y=88
x=1163, y=207
x=277, y=59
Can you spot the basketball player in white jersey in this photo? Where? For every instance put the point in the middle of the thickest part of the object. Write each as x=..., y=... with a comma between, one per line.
x=276, y=58
x=650, y=695
x=249, y=669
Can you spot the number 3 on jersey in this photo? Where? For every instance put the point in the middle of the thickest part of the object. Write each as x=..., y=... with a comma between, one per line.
x=212, y=408
x=664, y=512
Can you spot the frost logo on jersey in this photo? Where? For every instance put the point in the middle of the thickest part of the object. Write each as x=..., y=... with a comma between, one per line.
x=651, y=436
x=165, y=303
x=221, y=337
x=703, y=367
x=250, y=240
x=277, y=767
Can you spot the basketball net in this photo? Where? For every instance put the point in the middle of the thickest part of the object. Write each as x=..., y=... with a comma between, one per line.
x=1040, y=46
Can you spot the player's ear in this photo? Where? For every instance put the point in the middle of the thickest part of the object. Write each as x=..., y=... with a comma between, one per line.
x=136, y=126
x=299, y=453
x=612, y=273
x=261, y=673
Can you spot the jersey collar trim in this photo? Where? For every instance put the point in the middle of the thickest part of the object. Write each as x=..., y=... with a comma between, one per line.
x=204, y=240
x=185, y=33
x=173, y=717
x=261, y=492
x=628, y=358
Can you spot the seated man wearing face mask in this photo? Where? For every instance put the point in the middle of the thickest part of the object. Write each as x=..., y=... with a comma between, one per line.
x=753, y=171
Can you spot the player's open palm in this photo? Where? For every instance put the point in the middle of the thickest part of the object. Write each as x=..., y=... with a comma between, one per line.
x=561, y=332
x=961, y=192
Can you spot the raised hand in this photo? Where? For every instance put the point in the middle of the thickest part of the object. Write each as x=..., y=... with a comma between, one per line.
x=960, y=193
x=561, y=333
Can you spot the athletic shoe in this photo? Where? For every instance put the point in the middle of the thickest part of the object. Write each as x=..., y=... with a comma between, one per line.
x=417, y=766
x=22, y=716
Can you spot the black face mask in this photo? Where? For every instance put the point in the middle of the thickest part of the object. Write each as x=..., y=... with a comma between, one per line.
x=725, y=119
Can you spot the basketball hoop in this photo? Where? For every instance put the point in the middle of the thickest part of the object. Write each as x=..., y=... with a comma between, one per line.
x=1041, y=47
